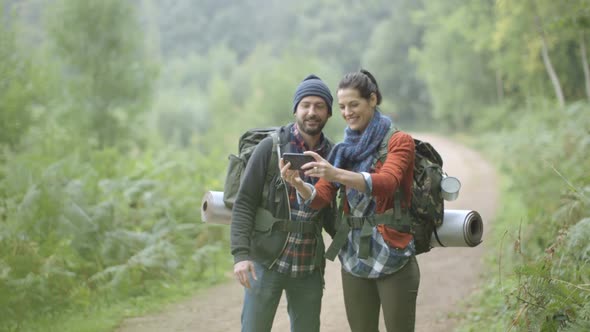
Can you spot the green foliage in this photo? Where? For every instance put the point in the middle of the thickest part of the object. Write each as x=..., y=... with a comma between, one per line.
x=194, y=71
x=544, y=259
x=180, y=116
x=273, y=102
x=93, y=224
x=458, y=77
x=99, y=192
x=198, y=97
x=109, y=80
x=181, y=110
x=332, y=31
x=520, y=29
x=260, y=94
x=388, y=55
x=17, y=88
x=188, y=26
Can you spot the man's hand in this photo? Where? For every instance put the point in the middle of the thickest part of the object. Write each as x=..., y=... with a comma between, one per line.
x=292, y=177
x=242, y=271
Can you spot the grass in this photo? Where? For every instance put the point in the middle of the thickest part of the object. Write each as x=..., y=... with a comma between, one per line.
x=105, y=315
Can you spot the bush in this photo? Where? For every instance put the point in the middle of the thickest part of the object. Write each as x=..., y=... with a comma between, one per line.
x=92, y=224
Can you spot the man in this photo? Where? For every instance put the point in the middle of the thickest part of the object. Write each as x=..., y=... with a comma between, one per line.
x=287, y=252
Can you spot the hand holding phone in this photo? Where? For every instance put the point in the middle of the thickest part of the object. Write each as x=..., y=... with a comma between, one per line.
x=297, y=159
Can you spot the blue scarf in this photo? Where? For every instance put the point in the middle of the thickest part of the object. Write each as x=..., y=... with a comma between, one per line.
x=356, y=151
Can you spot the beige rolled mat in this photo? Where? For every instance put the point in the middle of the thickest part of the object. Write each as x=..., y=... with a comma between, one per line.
x=213, y=210
x=460, y=228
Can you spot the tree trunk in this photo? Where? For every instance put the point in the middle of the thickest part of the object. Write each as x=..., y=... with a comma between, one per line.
x=549, y=66
x=499, y=86
x=585, y=64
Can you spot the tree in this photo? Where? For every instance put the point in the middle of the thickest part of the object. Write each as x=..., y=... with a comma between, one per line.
x=539, y=24
x=388, y=55
x=570, y=20
x=17, y=91
x=456, y=71
x=535, y=42
x=584, y=57
x=110, y=80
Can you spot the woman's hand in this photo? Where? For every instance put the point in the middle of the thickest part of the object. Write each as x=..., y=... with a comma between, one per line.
x=320, y=168
x=314, y=169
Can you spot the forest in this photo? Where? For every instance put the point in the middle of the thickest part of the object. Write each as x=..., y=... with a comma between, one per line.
x=116, y=116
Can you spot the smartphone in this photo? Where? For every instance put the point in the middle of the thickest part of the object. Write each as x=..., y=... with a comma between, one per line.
x=297, y=159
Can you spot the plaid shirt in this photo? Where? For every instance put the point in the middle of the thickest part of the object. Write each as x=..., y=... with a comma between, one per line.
x=383, y=259
x=297, y=258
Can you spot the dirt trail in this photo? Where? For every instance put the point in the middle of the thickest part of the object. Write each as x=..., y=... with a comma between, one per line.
x=448, y=275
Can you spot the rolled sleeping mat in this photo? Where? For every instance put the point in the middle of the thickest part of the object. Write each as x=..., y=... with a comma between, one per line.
x=460, y=228
x=213, y=210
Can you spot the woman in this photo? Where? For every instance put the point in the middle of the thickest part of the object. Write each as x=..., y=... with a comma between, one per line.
x=373, y=168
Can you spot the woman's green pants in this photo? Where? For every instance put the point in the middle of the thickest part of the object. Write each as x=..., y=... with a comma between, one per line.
x=395, y=293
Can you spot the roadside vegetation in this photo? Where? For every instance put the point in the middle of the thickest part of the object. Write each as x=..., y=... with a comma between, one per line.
x=537, y=275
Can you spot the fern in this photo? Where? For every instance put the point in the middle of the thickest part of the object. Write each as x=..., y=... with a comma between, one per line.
x=74, y=229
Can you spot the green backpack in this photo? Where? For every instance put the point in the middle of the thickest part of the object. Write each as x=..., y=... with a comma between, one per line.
x=237, y=163
x=428, y=208
x=427, y=205
x=235, y=172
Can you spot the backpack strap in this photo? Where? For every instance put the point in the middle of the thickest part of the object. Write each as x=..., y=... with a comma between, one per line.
x=339, y=239
x=274, y=157
x=265, y=221
x=384, y=146
x=293, y=226
x=268, y=221
x=272, y=167
x=366, y=224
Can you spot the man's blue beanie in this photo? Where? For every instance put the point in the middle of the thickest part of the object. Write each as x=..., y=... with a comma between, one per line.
x=312, y=86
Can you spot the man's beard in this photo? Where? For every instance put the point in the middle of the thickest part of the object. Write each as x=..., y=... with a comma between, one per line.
x=311, y=131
